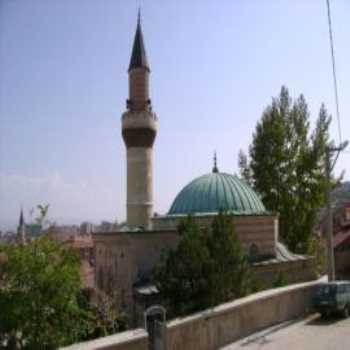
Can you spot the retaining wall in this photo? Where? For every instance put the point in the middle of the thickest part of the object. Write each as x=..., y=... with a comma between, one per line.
x=228, y=322
x=219, y=326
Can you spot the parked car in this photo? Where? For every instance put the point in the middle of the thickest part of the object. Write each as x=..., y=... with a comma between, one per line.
x=333, y=297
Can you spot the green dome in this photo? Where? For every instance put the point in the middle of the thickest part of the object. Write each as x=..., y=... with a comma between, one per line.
x=217, y=191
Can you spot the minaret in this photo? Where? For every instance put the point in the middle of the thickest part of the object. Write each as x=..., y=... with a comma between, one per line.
x=139, y=128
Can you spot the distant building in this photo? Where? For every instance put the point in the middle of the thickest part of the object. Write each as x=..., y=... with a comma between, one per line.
x=86, y=228
x=9, y=237
x=33, y=231
x=341, y=240
x=71, y=236
x=63, y=232
x=27, y=232
x=105, y=226
x=84, y=245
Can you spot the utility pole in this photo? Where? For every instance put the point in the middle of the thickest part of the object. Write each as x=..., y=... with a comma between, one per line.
x=329, y=225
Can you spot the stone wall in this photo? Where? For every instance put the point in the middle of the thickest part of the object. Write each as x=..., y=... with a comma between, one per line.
x=295, y=271
x=123, y=259
x=132, y=340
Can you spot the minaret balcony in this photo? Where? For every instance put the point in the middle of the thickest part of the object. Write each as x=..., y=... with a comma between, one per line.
x=139, y=119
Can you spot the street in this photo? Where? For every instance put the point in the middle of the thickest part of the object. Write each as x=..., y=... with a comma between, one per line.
x=312, y=333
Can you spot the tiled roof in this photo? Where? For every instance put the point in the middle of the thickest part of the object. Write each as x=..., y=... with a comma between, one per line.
x=341, y=238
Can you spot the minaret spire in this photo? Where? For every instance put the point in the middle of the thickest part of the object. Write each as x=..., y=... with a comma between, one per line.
x=21, y=217
x=138, y=55
x=21, y=232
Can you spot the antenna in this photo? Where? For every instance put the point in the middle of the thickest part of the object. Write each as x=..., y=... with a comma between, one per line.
x=334, y=68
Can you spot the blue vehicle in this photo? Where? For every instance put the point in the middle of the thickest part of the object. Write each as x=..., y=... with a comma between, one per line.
x=333, y=297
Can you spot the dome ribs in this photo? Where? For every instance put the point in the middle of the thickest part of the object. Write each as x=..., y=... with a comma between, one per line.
x=217, y=191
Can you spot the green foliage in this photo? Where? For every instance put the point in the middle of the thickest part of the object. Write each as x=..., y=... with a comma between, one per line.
x=42, y=305
x=206, y=269
x=182, y=276
x=230, y=277
x=281, y=281
x=287, y=166
x=318, y=249
x=245, y=171
x=103, y=316
x=39, y=284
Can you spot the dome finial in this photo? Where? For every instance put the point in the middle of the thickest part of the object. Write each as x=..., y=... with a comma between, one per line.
x=215, y=168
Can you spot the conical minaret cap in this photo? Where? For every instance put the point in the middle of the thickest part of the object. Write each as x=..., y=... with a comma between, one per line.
x=138, y=56
x=21, y=218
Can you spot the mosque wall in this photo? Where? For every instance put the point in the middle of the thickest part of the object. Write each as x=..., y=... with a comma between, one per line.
x=123, y=259
x=257, y=233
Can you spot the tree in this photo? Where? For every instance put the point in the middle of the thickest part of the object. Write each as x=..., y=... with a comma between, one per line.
x=287, y=166
x=206, y=269
x=245, y=171
x=182, y=276
x=39, y=285
x=43, y=209
x=230, y=276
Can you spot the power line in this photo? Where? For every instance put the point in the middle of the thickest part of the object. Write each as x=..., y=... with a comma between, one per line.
x=334, y=69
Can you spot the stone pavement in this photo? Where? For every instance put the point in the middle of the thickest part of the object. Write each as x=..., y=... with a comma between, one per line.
x=312, y=333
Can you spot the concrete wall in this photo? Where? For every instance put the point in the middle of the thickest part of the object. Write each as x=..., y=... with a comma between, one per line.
x=228, y=322
x=132, y=340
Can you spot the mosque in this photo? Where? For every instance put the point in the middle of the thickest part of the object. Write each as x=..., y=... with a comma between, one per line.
x=125, y=259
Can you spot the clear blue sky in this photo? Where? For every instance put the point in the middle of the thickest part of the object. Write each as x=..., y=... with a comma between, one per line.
x=215, y=66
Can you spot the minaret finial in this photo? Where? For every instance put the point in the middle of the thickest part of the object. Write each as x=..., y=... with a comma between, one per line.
x=215, y=168
x=139, y=16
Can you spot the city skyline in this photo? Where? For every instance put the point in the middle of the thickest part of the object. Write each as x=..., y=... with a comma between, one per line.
x=64, y=87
